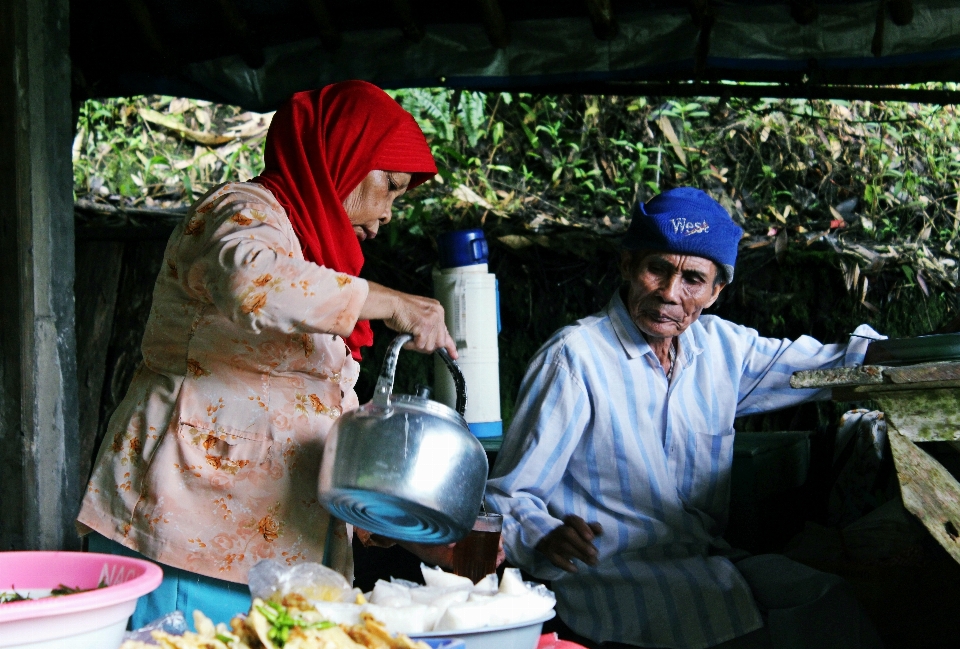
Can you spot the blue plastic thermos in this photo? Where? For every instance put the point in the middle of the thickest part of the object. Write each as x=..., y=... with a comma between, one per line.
x=471, y=305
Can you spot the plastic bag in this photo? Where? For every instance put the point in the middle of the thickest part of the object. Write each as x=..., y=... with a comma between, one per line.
x=173, y=623
x=313, y=581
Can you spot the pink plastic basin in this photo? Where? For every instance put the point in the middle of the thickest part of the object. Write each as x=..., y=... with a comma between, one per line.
x=93, y=619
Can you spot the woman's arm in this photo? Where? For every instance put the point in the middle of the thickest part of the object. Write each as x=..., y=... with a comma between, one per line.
x=413, y=314
x=235, y=254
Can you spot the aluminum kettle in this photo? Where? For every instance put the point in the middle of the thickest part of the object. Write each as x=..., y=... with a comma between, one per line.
x=404, y=466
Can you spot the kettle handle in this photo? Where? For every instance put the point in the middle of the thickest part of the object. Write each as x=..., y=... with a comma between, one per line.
x=458, y=379
x=381, y=395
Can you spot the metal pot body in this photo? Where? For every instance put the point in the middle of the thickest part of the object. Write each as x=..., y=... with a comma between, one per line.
x=405, y=467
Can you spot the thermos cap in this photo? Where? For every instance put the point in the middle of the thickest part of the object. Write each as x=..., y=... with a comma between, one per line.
x=462, y=248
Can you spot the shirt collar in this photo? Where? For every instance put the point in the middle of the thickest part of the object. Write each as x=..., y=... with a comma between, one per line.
x=633, y=342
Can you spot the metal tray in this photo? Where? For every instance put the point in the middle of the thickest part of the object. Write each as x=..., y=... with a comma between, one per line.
x=910, y=351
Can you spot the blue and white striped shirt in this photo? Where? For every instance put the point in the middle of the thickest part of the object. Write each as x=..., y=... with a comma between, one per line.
x=599, y=433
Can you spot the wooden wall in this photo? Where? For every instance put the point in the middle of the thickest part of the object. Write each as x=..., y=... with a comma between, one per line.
x=118, y=254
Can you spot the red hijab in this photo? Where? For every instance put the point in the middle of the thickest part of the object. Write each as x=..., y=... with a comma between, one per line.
x=320, y=145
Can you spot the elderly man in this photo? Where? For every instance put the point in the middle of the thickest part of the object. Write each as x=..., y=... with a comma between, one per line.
x=614, y=478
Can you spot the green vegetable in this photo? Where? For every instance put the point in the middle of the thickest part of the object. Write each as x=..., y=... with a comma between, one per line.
x=56, y=592
x=67, y=590
x=281, y=623
x=12, y=597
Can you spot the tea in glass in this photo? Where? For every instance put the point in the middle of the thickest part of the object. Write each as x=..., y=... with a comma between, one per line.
x=475, y=555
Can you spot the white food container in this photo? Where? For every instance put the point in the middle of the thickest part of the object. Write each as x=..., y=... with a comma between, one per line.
x=522, y=635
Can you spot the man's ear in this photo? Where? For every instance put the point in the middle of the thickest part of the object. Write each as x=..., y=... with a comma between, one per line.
x=716, y=293
x=626, y=261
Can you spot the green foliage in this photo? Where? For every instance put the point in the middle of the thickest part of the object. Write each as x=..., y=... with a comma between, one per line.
x=583, y=159
x=119, y=156
x=852, y=209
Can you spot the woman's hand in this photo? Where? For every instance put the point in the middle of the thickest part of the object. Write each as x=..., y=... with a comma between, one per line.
x=438, y=555
x=413, y=314
x=422, y=317
x=572, y=540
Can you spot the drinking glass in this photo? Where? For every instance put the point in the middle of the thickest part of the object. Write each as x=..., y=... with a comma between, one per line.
x=475, y=555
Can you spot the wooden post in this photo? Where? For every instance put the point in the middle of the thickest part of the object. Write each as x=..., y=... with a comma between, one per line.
x=39, y=483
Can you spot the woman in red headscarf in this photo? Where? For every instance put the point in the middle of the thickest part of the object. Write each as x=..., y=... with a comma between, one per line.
x=250, y=354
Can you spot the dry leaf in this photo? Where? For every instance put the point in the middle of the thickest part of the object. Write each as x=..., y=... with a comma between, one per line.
x=780, y=245
x=170, y=123
x=923, y=283
x=519, y=241
x=835, y=149
x=671, y=135
x=467, y=195
x=515, y=241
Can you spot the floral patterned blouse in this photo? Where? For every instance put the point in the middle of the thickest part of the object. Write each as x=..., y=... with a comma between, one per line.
x=210, y=462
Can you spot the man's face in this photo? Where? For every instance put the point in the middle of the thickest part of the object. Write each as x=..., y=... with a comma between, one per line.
x=667, y=292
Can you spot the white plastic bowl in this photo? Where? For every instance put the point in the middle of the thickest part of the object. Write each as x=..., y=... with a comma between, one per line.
x=522, y=635
x=90, y=620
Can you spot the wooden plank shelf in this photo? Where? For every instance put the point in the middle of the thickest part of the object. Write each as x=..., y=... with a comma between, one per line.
x=921, y=404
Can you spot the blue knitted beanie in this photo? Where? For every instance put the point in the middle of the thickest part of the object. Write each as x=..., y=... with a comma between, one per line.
x=685, y=221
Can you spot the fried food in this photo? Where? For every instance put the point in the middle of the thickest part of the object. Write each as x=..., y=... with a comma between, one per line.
x=292, y=623
x=374, y=635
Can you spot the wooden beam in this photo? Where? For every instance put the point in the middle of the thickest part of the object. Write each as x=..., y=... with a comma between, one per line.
x=97, y=222
x=601, y=17
x=330, y=37
x=408, y=24
x=929, y=491
x=692, y=88
x=40, y=485
x=494, y=23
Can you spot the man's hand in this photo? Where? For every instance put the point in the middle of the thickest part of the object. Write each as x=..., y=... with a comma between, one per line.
x=572, y=540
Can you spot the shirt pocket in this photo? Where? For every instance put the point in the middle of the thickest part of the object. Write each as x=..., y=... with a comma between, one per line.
x=209, y=455
x=220, y=458
x=224, y=421
x=705, y=479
